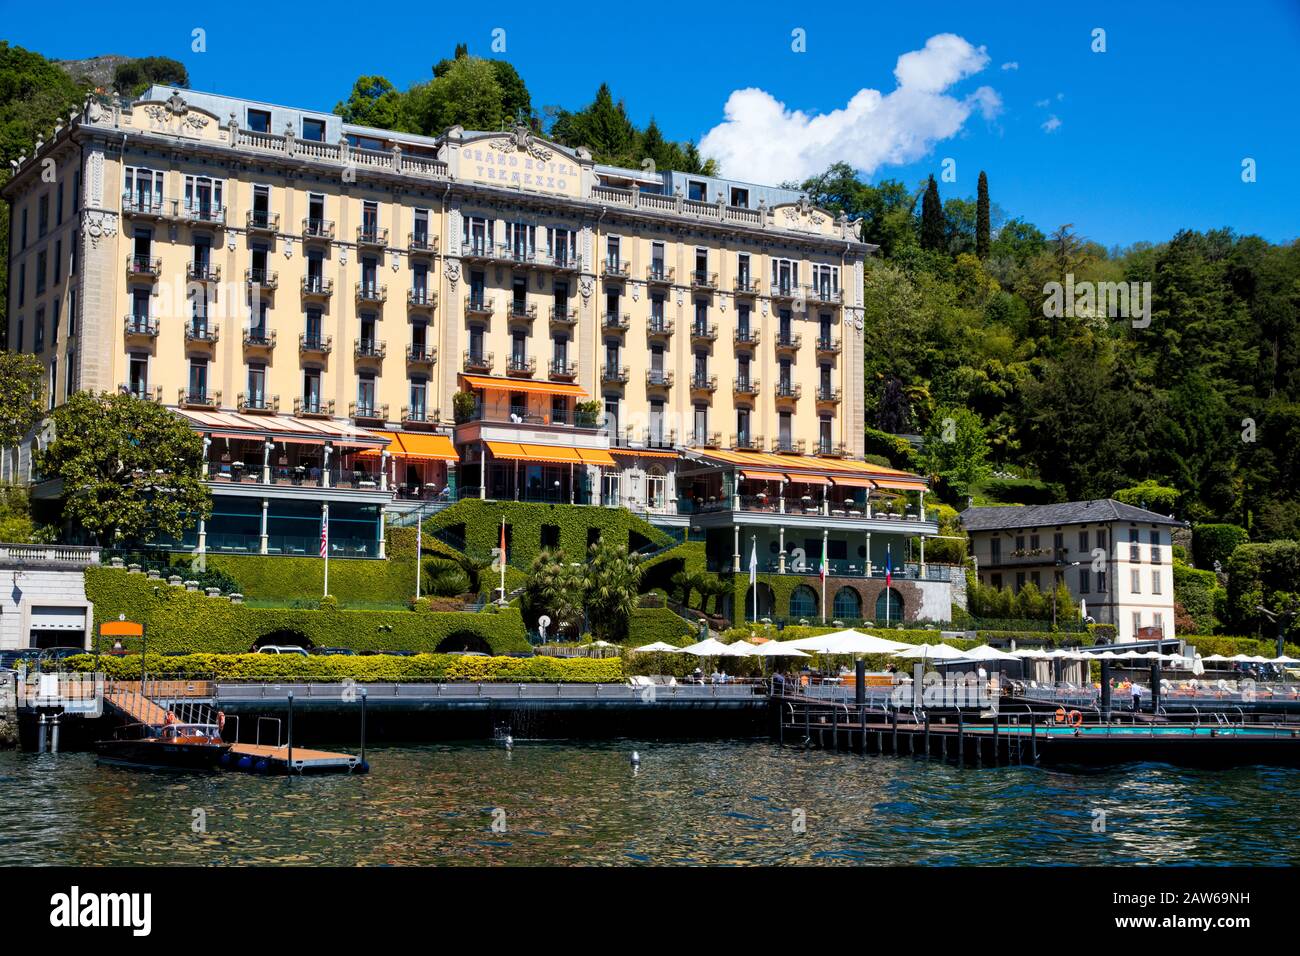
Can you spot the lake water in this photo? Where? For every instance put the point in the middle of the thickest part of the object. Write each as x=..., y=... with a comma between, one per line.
x=690, y=802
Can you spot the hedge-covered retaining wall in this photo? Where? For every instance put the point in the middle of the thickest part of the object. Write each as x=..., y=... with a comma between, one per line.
x=650, y=624
x=180, y=620
x=375, y=668
x=481, y=523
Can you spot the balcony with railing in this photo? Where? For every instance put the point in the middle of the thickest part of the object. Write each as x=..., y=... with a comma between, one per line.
x=369, y=412
x=373, y=237
x=658, y=378
x=262, y=221
x=315, y=344
x=421, y=355
x=789, y=391
x=421, y=300
x=199, y=398
x=418, y=415
x=364, y=349
x=205, y=214
x=563, y=317
x=783, y=290
x=262, y=279
x=421, y=244
x=613, y=268
x=313, y=407
x=746, y=286
x=746, y=338
x=745, y=387
x=704, y=280
x=823, y=294
x=828, y=345
x=259, y=338
x=477, y=250
x=704, y=383
x=704, y=331
x=475, y=361
x=204, y=272
x=828, y=395
x=616, y=321
x=788, y=446
x=143, y=267
x=317, y=287
x=521, y=366
x=787, y=341
x=202, y=333
x=659, y=274
x=659, y=327
x=317, y=230
x=141, y=390
x=562, y=370
x=479, y=306
x=744, y=441
x=257, y=402
x=371, y=293
x=521, y=312
x=613, y=374
x=832, y=449
x=140, y=327
x=542, y=259
x=147, y=206
x=706, y=439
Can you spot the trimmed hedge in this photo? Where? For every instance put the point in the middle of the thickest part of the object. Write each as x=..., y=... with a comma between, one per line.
x=651, y=624
x=377, y=668
x=1228, y=646
x=1216, y=542
x=1260, y=574
x=1199, y=594
x=179, y=620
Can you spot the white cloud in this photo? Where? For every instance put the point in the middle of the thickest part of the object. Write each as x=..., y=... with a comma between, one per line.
x=762, y=140
x=1013, y=65
x=1042, y=104
x=1051, y=124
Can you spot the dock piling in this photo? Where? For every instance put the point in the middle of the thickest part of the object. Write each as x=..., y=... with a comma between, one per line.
x=290, y=739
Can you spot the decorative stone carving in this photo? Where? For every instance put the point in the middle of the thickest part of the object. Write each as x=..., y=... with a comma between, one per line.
x=98, y=224
x=586, y=286
x=521, y=140
x=452, y=271
x=288, y=247
x=95, y=180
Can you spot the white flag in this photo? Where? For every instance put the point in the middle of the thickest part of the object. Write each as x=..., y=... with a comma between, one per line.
x=753, y=563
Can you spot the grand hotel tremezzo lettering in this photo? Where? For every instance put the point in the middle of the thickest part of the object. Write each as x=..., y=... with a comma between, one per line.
x=491, y=165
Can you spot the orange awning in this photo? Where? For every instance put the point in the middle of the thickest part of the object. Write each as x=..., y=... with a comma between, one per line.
x=488, y=382
x=898, y=485
x=551, y=454
x=855, y=481
x=424, y=447
x=762, y=476
x=643, y=452
x=505, y=449
x=809, y=479
x=596, y=456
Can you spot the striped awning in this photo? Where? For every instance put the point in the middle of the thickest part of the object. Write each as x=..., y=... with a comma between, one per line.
x=415, y=446
x=749, y=475
x=492, y=383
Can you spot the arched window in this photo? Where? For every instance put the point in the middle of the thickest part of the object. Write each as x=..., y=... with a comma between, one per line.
x=847, y=604
x=803, y=602
x=895, y=607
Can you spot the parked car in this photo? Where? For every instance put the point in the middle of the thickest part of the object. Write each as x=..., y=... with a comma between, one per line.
x=12, y=660
x=51, y=654
x=282, y=649
x=334, y=651
x=389, y=653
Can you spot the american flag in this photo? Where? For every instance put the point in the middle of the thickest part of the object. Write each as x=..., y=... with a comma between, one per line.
x=324, y=536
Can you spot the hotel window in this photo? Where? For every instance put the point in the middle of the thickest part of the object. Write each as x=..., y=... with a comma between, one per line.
x=701, y=433
x=561, y=296
x=611, y=306
x=656, y=486
x=311, y=389
x=697, y=190
x=559, y=410
x=1085, y=580
x=657, y=313
x=786, y=383
x=1134, y=544
x=1155, y=582
x=562, y=245
x=609, y=487
x=740, y=197
x=76, y=191
x=701, y=367
x=366, y=395
x=825, y=383
x=1020, y=581
x=995, y=550
x=1158, y=622
x=742, y=322
x=39, y=345
x=785, y=327
x=824, y=330
x=612, y=259
x=203, y=196
x=518, y=350
x=1034, y=542
x=1020, y=542
x=315, y=213
x=560, y=353
x=701, y=316
x=784, y=430
x=54, y=323
x=611, y=417
x=140, y=299
x=785, y=275
x=198, y=380
x=72, y=260
x=1137, y=622
x=611, y=356
x=72, y=309
x=42, y=266
x=257, y=259
x=58, y=205
x=43, y=215
x=476, y=232
x=313, y=130
x=826, y=280
x=370, y=275
x=824, y=435
x=256, y=397
x=1083, y=541
x=1136, y=581
x=476, y=352
x=657, y=364
x=742, y=427
x=742, y=269
x=1101, y=582
x=315, y=271
x=420, y=281
x=1101, y=538
x=257, y=329
x=742, y=369
x=58, y=261
x=419, y=337
x=370, y=219
x=420, y=229
x=22, y=283
x=657, y=270
x=313, y=326
x=1037, y=578
x=368, y=332
x=1058, y=542
x=521, y=239
x=259, y=121
x=996, y=581
x=419, y=390
x=261, y=206
x=477, y=288
x=70, y=376
x=519, y=295
x=656, y=422
x=1155, y=535
x=137, y=375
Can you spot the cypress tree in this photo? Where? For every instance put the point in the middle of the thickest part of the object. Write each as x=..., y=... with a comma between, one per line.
x=933, y=228
x=982, y=218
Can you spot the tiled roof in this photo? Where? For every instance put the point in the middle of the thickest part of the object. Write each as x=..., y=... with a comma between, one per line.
x=1069, y=512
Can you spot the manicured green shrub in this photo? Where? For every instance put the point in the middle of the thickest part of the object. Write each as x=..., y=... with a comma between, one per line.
x=1197, y=593
x=650, y=624
x=1216, y=542
x=1265, y=575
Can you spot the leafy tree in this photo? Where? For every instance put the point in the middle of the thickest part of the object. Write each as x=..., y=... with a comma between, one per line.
x=933, y=228
x=374, y=101
x=467, y=93
x=956, y=449
x=131, y=469
x=1150, y=495
x=135, y=76
x=982, y=217
x=555, y=588
x=613, y=579
x=21, y=376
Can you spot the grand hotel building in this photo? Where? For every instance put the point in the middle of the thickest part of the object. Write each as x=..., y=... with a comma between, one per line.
x=361, y=321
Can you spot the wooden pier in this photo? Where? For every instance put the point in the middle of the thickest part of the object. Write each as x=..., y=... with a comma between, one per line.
x=285, y=759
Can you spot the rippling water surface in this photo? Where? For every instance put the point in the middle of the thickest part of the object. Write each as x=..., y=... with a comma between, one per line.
x=695, y=802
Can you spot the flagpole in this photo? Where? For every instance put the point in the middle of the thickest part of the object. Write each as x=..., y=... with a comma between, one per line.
x=419, y=529
x=753, y=571
x=503, y=559
x=325, y=544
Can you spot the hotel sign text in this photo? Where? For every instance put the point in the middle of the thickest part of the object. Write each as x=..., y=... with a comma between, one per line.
x=517, y=168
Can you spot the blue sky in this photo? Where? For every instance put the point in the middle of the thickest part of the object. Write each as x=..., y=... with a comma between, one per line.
x=1148, y=137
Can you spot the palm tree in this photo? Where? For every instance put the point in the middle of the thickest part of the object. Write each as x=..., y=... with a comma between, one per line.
x=613, y=585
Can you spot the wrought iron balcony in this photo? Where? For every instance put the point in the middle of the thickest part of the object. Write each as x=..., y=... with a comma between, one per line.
x=257, y=402
x=478, y=306
x=565, y=316
x=140, y=326
x=143, y=267
x=701, y=279
x=653, y=438
x=704, y=331
x=421, y=244
x=521, y=311
x=141, y=390
x=147, y=207
x=746, y=387
x=788, y=446
x=199, y=398
x=704, y=383
x=788, y=341
x=259, y=338
x=659, y=327
x=828, y=345
x=315, y=344
x=364, y=348
x=518, y=365
x=614, y=374
x=618, y=321
x=477, y=361
x=615, y=268
x=560, y=369
x=261, y=220
x=372, y=237
x=202, y=333
x=202, y=272
x=417, y=415
x=313, y=407
x=784, y=290
x=746, y=286
x=657, y=378
x=659, y=275
x=788, y=390
x=317, y=287
x=746, y=337
x=829, y=395
x=478, y=250
x=421, y=299
x=205, y=213
x=367, y=412
x=557, y=263
x=421, y=354
x=262, y=278
x=744, y=441
x=374, y=293
x=707, y=439
x=823, y=294
x=317, y=230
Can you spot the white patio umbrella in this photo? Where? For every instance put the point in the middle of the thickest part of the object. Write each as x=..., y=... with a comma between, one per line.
x=1216, y=657
x=709, y=647
x=1033, y=653
x=1284, y=660
x=847, y=642
x=741, y=649
x=657, y=646
x=931, y=652
x=778, y=649
x=986, y=652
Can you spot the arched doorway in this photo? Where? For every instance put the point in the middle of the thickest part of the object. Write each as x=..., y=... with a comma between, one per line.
x=766, y=601
x=285, y=636
x=460, y=641
x=803, y=602
x=893, y=610
x=848, y=605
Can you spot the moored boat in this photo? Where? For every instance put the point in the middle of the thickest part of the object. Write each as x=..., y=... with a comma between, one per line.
x=172, y=746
